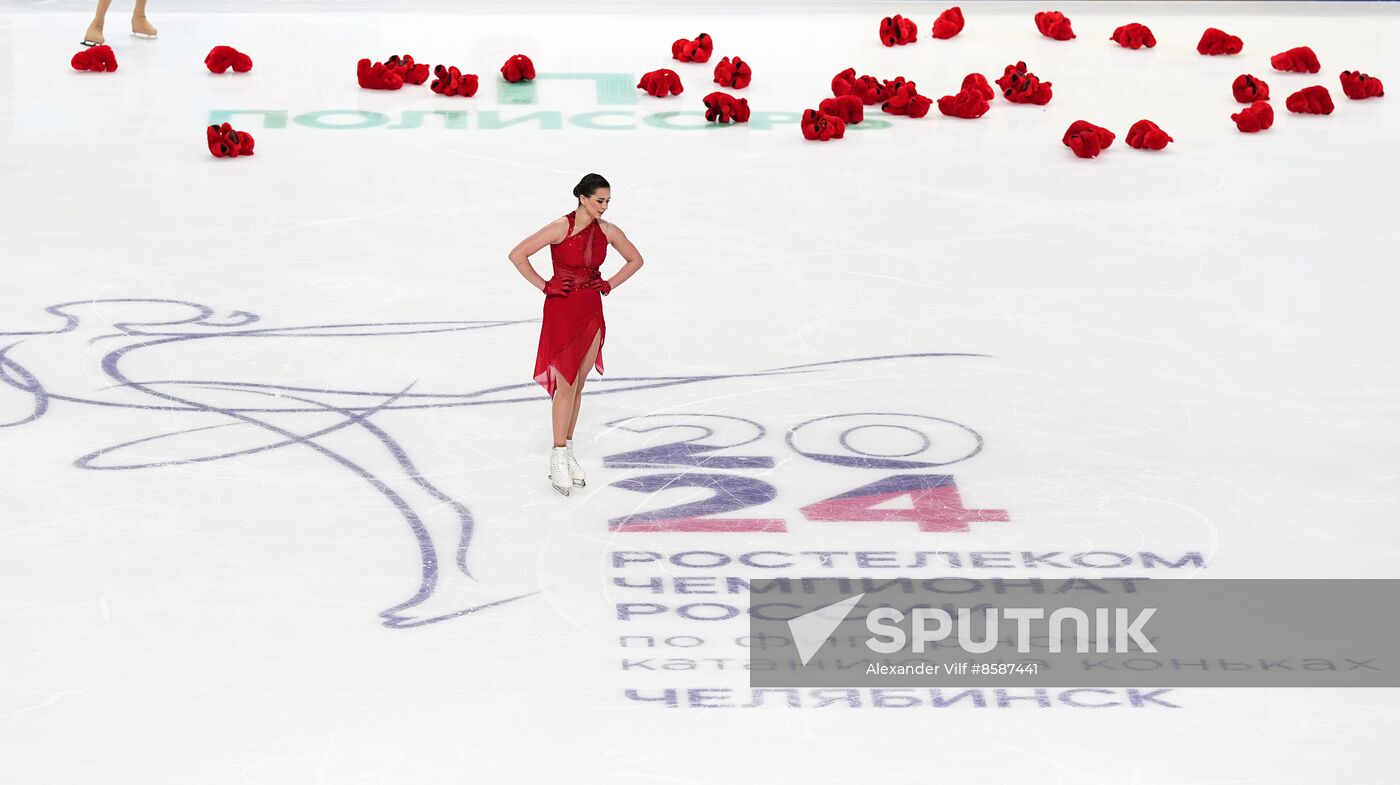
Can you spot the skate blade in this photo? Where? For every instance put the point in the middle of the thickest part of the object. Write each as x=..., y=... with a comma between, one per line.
x=580, y=483
x=144, y=36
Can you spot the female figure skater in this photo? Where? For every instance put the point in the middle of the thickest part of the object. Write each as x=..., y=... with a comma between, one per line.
x=140, y=25
x=572, y=333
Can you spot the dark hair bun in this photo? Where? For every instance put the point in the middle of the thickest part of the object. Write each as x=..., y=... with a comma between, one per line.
x=590, y=185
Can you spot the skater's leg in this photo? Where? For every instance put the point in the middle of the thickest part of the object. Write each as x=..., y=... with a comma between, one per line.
x=563, y=407
x=140, y=25
x=94, y=31
x=588, y=358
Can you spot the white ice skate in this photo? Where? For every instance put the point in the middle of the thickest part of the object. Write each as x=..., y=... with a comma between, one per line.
x=559, y=470
x=575, y=468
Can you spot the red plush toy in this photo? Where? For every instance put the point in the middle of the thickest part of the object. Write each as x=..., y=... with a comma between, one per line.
x=661, y=82
x=733, y=72
x=725, y=108
x=977, y=83
x=1218, y=42
x=898, y=31
x=867, y=88
x=847, y=107
x=1300, y=59
x=697, y=50
x=1053, y=24
x=1256, y=117
x=1357, y=85
x=1023, y=87
x=377, y=76
x=452, y=82
x=95, y=58
x=225, y=142
x=949, y=23
x=518, y=69
x=1134, y=36
x=967, y=104
x=221, y=58
x=1248, y=88
x=1086, y=139
x=904, y=99
x=1310, y=100
x=820, y=127
x=411, y=72
x=1145, y=135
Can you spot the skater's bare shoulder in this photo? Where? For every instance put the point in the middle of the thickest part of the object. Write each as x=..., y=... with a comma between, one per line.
x=551, y=233
x=618, y=239
x=558, y=230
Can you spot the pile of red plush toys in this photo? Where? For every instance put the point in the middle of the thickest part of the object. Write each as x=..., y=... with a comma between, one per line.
x=850, y=93
x=224, y=141
x=730, y=72
x=1018, y=85
x=448, y=80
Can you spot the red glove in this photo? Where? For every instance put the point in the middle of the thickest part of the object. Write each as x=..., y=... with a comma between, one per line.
x=557, y=287
x=601, y=285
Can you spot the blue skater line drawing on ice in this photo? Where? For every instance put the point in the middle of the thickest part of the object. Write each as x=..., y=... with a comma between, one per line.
x=440, y=523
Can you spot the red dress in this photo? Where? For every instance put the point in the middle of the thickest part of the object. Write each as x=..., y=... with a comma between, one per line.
x=571, y=320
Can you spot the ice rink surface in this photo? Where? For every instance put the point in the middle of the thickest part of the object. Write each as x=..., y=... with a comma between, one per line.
x=274, y=499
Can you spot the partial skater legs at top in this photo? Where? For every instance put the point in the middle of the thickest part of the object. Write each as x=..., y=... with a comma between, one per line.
x=140, y=26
